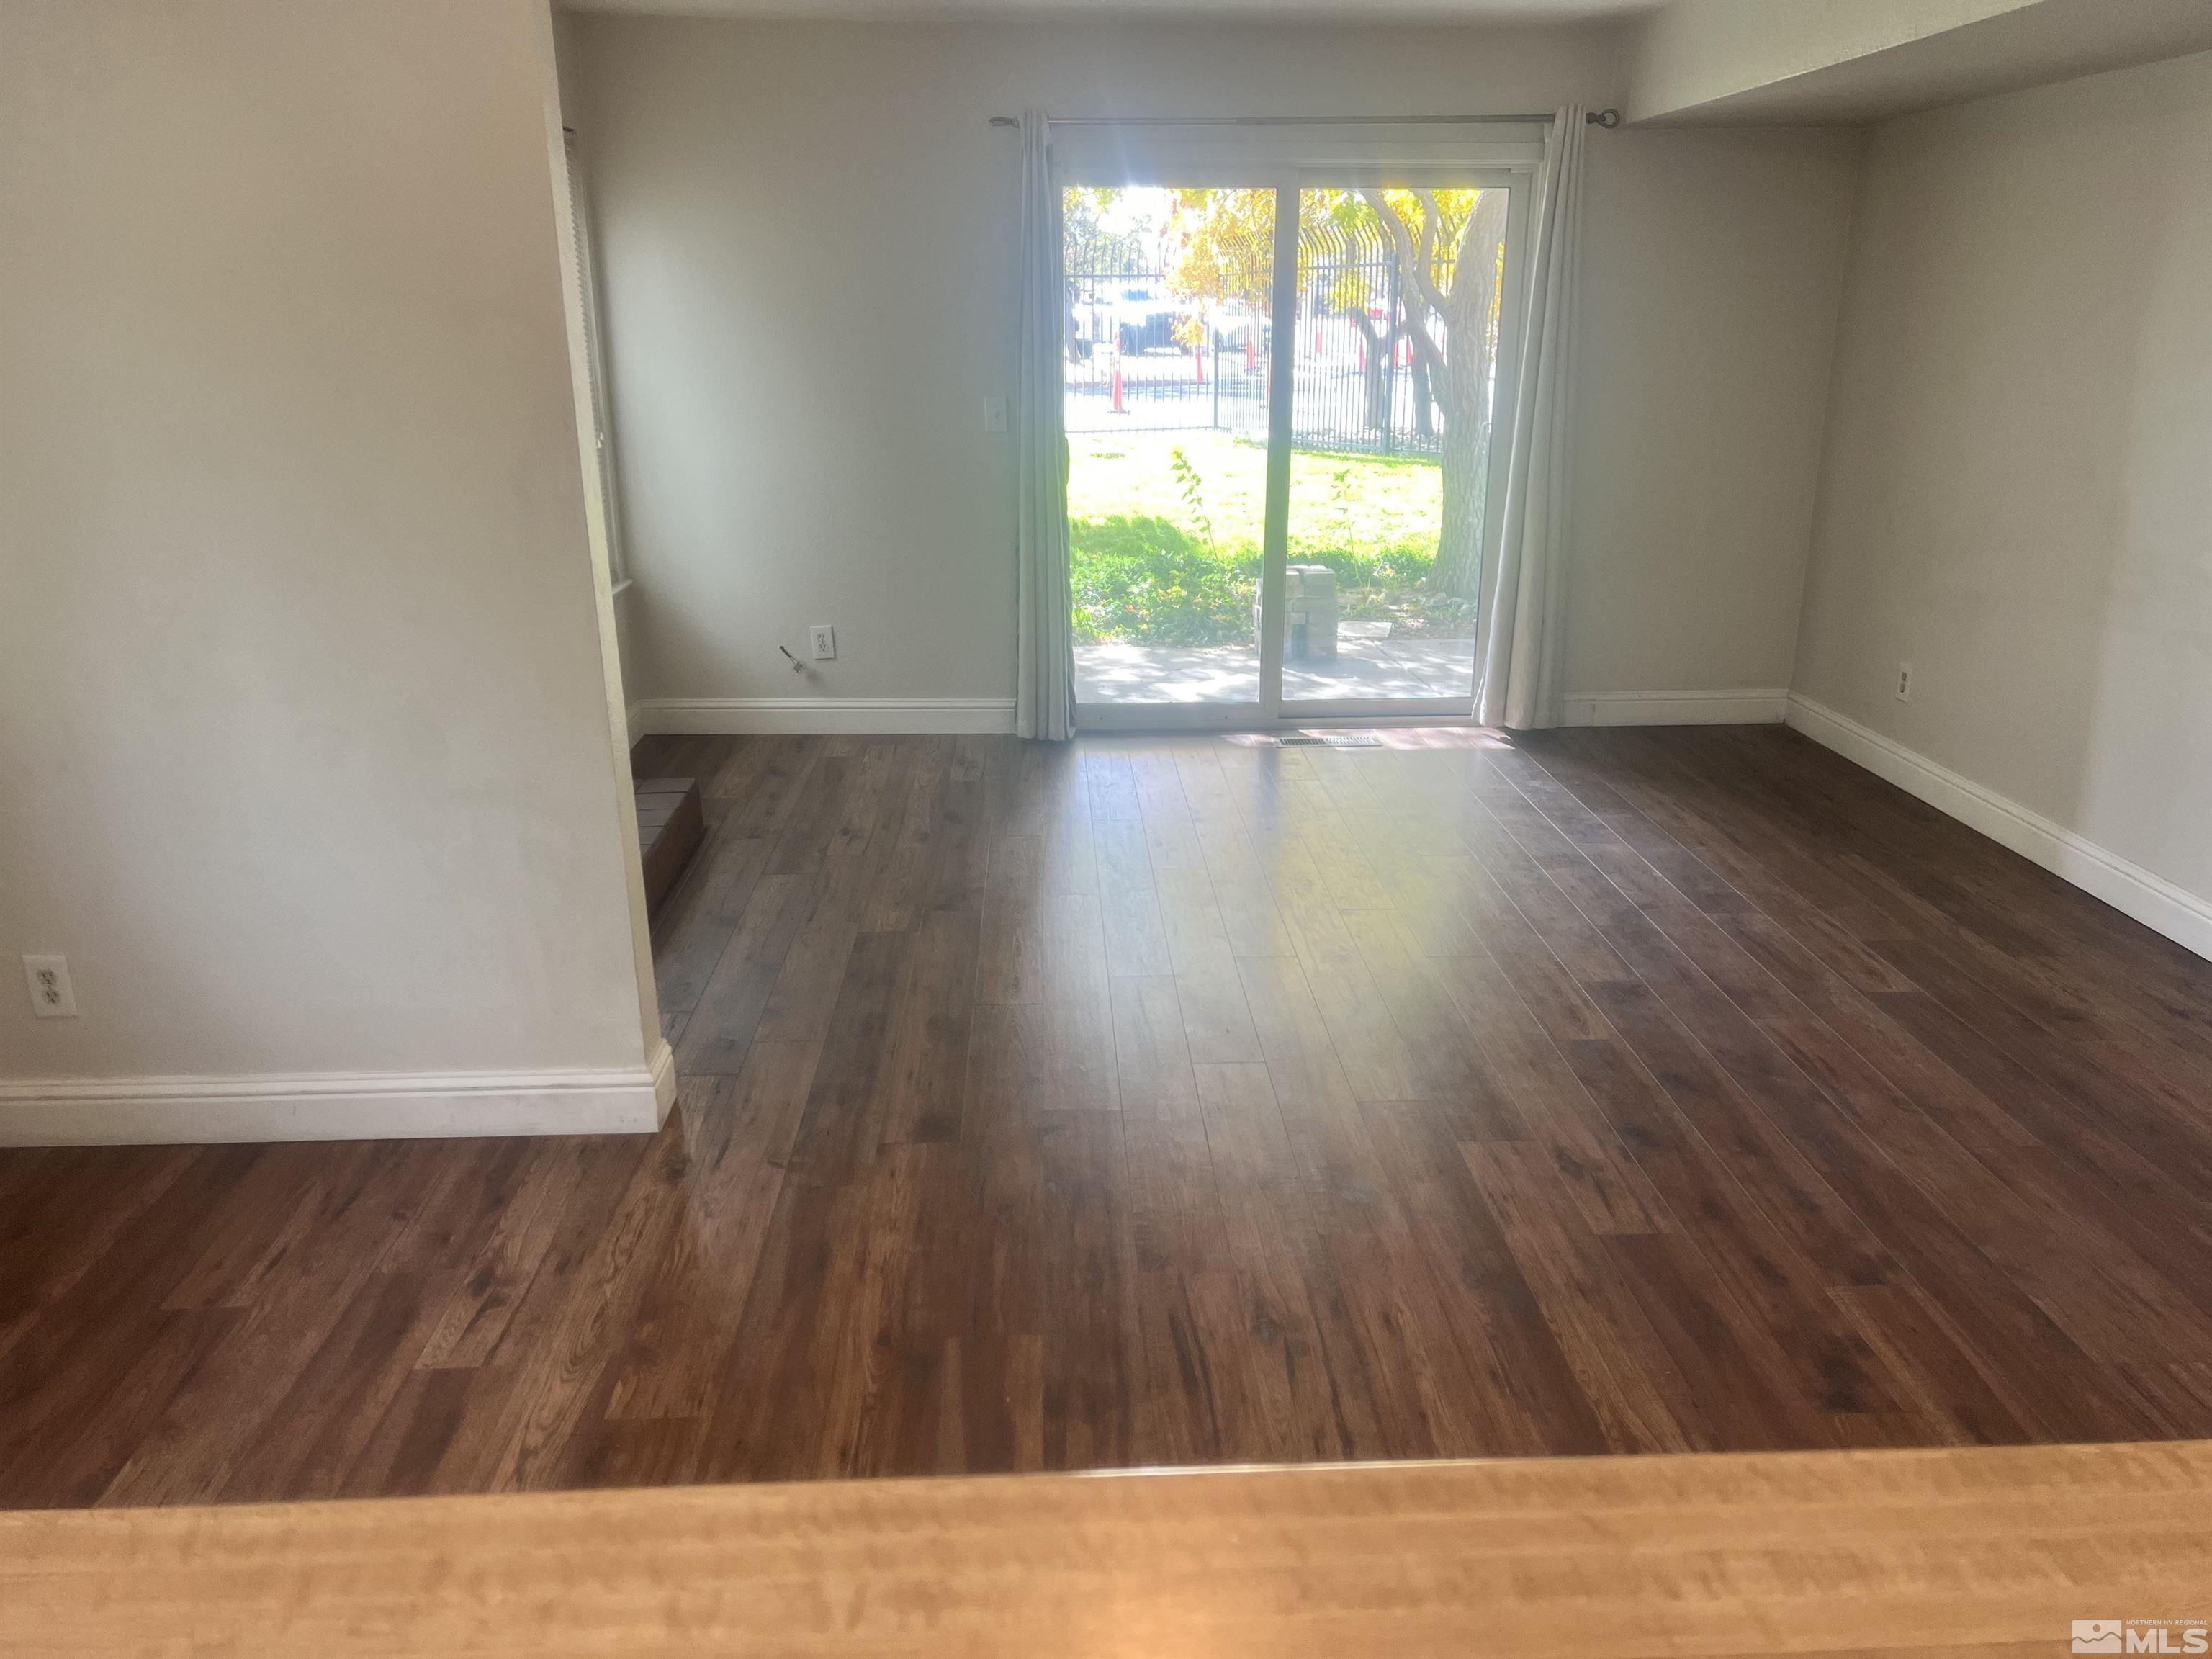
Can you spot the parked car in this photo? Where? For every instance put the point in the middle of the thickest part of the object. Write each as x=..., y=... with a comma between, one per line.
x=1235, y=326
x=1144, y=319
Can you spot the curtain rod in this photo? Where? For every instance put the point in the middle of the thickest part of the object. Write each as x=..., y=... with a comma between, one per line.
x=1597, y=118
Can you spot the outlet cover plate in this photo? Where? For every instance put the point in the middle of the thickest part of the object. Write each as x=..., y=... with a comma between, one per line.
x=52, y=995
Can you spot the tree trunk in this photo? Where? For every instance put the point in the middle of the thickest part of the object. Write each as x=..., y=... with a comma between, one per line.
x=1381, y=340
x=1425, y=419
x=1465, y=469
x=1465, y=398
x=1458, y=365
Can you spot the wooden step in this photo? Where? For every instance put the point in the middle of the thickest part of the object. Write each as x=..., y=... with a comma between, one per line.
x=671, y=824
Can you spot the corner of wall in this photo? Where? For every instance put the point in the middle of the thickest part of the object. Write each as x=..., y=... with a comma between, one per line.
x=621, y=721
x=2180, y=915
x=1821, y=476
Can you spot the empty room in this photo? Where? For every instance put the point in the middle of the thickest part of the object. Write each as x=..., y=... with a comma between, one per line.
x=775, y=771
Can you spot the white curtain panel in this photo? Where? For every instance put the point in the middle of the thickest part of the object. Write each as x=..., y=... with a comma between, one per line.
x=1521, y=632
x=1044, y=700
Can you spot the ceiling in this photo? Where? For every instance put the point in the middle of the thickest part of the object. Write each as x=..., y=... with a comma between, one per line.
x=1457, y=11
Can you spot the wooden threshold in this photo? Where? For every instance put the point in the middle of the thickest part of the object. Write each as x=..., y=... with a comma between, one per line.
x=1946, y=1551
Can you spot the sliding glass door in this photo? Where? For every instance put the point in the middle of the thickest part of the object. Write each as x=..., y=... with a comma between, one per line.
x=1394, y=404
x=1280, y=406
x=1169, y=302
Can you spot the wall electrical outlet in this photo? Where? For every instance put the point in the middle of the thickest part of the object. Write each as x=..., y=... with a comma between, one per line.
x=994, y=414
x=825, y=643
x=1904, y=682
x=52, y=997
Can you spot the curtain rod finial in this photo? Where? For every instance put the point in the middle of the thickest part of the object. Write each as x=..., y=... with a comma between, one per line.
x=1604, y=117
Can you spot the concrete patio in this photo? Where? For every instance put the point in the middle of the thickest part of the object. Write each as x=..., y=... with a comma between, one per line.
x=1366, y=668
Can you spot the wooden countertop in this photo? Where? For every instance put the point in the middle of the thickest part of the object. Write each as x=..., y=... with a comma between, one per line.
x=1890, y=1552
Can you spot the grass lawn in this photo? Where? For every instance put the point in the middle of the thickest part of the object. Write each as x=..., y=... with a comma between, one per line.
x=1166, y=531
x=1339, y=503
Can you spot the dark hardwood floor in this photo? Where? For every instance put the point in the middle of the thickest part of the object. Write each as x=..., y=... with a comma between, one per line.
x=1182, y=1101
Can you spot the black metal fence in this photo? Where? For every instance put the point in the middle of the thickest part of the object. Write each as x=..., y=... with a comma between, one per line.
x=1363, y=382
x=1142, y=358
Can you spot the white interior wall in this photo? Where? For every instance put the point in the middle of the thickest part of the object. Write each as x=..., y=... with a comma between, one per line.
x=569, y=91
x=1687, y=53
x=1711, y=62
x=808, y=242
x=2017, y=496
x=1713, y=274
x=303, y=729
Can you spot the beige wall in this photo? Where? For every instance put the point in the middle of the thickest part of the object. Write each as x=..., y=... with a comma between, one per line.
x=809, y=250
x=1691, y=52
x=568, y=91
x=2017, y=497
x=303, y=736
x=1712, y=276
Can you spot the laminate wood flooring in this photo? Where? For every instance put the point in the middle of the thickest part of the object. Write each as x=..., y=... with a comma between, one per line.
x=1184, y=1101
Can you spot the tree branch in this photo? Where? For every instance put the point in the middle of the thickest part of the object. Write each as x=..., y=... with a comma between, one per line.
x=1412, y=267
x=1417, y=262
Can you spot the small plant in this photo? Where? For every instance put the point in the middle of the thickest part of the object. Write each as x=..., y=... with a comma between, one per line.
x=1193, y=492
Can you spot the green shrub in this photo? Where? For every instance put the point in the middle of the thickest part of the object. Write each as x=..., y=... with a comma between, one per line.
x=1146, y=580
x=1404, y=565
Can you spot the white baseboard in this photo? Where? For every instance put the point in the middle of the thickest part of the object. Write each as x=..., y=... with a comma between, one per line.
x=663, y=1070
x=1757, y=705
x=2184, y=917
x=637, y=723
x=334, y=1106
x=687, y=716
